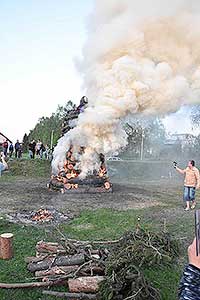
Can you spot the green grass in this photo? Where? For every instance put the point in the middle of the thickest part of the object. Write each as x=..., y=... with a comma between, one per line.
x=26, y=168
x=91, y=225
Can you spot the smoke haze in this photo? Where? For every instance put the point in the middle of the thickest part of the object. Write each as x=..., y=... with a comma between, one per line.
x=140, y=57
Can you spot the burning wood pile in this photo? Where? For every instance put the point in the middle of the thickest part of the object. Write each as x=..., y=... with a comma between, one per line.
x=103, y=269
x=46, y=216
x=42, y=215
x=68, y=176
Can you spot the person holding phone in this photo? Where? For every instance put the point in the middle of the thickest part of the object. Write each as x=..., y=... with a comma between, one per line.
x=189, y=288
x=191, y=183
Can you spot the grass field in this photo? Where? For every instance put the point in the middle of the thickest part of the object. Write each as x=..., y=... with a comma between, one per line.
x=95, y=224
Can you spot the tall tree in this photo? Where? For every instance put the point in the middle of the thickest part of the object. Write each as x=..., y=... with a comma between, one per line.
x=25, y=142
x=46, y=125
x=145, y=135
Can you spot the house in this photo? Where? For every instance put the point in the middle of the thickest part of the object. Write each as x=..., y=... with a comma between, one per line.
x=184, y=139
x=3, y=138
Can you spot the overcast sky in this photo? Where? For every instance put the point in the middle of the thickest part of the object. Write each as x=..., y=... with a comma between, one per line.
x=39, y=40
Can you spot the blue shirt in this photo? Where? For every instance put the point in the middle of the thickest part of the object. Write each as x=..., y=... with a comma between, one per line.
x=2, y=168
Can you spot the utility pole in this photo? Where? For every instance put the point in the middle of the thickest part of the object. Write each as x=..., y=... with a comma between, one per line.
x=52, y=135
x=142, y=146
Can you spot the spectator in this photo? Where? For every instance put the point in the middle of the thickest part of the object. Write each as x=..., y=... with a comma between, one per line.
x=5, y=147
x=11, y=149
x=20, y=151
x=190, y=283
x=38, y=147
x=191, y=183
x=47, y=152
x=31, y=148
x=42, y=150
x=17, y=147
x=3, y=163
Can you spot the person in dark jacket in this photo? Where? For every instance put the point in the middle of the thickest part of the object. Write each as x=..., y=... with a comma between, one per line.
x=17, y=147
x=189, y=288
x=11, y=149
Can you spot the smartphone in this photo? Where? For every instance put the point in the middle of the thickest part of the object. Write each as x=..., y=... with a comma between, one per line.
x=197, y=231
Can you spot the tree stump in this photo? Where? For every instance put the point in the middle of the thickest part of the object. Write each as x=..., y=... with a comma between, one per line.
x=6, y=245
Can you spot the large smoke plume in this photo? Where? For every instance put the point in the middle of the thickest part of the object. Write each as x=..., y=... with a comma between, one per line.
x=140, y=57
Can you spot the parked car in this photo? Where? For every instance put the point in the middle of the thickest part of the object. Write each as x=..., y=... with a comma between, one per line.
x=113, y=158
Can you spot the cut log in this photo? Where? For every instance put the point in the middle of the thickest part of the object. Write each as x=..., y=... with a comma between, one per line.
x=28, y=285
x=6, y=245
x=70, y=270
x=59, y=261
x=33, y=259
x=85, y=284
x=71, y=296
x=53, y=248
x=62, y=270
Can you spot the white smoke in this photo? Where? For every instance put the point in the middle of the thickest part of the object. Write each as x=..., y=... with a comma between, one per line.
x=140, y=57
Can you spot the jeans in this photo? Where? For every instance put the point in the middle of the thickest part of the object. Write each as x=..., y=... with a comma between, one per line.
x=189, y=193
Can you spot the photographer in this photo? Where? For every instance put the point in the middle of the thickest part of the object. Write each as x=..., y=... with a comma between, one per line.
x=190, y=283
x=191, y=183
x=3, y=163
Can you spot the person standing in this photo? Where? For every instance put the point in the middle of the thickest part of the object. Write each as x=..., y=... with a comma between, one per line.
x=191, y=183
x=11, y=149
x=31, y=148
x=34, y=148
x=5, y=147
x=38, y=147
x=17, y=147
x=3, y=163
x=46, y=153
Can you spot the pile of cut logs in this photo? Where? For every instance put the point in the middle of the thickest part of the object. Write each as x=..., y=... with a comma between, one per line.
x=78, y=266
x=68, y=176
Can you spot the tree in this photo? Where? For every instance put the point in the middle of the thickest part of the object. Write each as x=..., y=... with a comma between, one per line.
x=25, y=142
x=147, y=136
x=46, y=125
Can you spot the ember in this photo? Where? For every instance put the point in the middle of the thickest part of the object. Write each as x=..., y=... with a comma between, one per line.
x=42, y=216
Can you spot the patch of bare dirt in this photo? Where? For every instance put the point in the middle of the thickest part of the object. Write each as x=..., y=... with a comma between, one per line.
x=31, y=194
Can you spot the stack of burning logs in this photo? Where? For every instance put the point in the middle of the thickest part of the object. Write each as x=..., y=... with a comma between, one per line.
x=68, y=177
x=75, y=265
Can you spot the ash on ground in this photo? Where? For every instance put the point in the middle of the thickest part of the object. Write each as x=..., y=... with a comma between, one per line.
x=42, y=216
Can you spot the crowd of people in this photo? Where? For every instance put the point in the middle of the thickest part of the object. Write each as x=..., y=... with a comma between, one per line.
x=35, y=149
x=38, y=149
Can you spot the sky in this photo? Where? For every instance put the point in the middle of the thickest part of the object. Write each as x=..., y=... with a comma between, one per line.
x=39, y=42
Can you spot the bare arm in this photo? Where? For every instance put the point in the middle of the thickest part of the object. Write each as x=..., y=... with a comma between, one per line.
x=180, y=170
x=198, y=179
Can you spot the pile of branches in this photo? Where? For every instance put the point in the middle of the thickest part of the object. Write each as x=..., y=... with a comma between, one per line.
x=136, y=252
x=101, y=270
